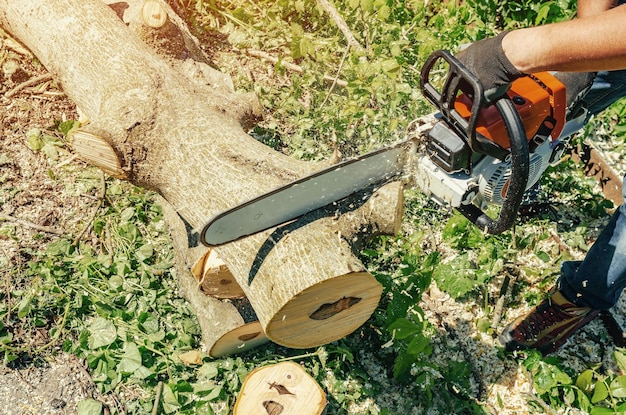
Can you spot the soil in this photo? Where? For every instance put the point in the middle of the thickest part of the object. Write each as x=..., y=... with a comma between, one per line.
x=35, y=201
x=36, y=208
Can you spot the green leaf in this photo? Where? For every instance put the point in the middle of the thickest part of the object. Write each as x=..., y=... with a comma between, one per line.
x=618, y=387
x=391, y=67
x=459, y=276
x=403, y=328
x=483, y=325
x=67, y=126
x=620, y=359
x=367, y=5
x=543, y=13
x=103, y=333
x=208, y=371
x=170, y=401
x=144, y=252
x=131, y=361
x=585, y=380
x=127, y=214
x=89, y=407
x=116, y=282
x=600, y=392
x=34, y=140
x=24, y=306
x=50, y=150
x=543, y=256
x=149, y=323
x=418, y=344
x=600, y=410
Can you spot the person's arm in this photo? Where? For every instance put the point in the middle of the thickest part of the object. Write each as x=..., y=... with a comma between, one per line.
x=591, y=43
x=590, y=7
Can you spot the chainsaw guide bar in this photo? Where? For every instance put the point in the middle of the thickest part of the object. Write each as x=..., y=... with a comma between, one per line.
x=312, y=192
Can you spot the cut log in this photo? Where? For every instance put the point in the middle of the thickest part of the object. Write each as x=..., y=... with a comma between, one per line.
x=215, y=279
x=153, y=14
x=302, y=304
x=177, y=134
x=281, y=389
x=227, y=327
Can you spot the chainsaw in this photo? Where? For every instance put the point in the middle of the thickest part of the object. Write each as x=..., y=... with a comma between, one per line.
x=467, y=155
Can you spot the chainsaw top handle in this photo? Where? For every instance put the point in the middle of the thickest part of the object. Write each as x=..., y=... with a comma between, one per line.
x=459, y=80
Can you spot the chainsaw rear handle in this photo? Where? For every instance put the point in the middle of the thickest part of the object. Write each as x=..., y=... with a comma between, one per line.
x=460, y=79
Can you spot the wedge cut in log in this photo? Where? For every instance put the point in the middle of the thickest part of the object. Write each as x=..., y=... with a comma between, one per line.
x=281, y=389
x=176, y=126
x=214, y=277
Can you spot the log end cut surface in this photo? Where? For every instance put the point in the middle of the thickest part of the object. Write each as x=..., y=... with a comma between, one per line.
x=239, y=340
x=326, y=312
x=281, y=389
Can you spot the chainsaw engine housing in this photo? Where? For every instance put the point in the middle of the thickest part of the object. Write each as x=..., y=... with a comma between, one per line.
x=454, y=173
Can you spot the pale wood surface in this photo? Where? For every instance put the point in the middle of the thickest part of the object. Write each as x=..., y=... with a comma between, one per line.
x=214, y=277
x=281, y=389
x=153, y=14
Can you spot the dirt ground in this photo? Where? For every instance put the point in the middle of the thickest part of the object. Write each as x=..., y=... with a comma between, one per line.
x=34, y=201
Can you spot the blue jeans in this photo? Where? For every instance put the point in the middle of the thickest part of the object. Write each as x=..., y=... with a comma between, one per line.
x=599, y=279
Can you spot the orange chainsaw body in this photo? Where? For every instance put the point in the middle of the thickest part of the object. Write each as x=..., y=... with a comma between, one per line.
x=540, y=101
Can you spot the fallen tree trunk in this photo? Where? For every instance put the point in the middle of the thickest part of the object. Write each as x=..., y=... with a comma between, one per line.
x=174, y=125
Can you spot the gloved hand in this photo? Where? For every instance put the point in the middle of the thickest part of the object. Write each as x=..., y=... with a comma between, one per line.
x=487, y=61
x=577, y=85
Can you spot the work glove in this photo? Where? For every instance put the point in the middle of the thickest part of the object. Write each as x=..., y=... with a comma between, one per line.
x=577, y=84
x=487, y=61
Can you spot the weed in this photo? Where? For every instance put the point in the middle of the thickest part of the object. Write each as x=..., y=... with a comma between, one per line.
x=595, y=391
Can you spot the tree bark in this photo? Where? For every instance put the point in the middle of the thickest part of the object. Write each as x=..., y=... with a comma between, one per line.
x=174, y=128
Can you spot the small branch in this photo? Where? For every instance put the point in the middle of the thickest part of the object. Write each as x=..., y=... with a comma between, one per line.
x=157, y=398
x=33, y=81
x=336, y=79
x=336, y=17
x=291, y=66
x=505, y=291
x=25, y=223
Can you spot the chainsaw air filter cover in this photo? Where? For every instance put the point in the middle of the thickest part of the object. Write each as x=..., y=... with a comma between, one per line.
x=447, y=149
x=493, y=174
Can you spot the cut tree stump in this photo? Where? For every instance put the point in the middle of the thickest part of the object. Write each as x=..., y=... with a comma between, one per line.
x=280, y=389
x=175, y=125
